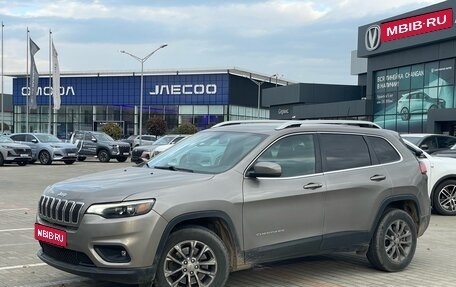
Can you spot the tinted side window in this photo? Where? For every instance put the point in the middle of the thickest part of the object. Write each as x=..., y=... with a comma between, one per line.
x=30, y=138
x=383, y=150
x=446, y=142
x=344, y=151
x=295, y=154
x=430, y=142
x=19, y=138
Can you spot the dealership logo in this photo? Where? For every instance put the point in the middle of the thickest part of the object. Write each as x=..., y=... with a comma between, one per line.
x=199, y=89
x=283, y=111
x=47, y=91
x=372, y=38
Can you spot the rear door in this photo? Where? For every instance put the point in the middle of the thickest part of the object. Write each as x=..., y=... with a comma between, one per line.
x=356, y=185
x=283, y=216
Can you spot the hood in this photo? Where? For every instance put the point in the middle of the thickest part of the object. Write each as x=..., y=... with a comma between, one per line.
x=62, y=145
x=116, y=185
x=14, y=145
x=120, y=143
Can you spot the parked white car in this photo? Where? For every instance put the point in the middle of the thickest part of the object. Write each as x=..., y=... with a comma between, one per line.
x=441, y=181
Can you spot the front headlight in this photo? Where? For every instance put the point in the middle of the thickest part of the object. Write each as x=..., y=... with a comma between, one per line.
x=122, y=209
x=55, y=146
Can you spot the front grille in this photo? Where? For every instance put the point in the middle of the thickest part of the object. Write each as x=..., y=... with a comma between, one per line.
x=66, y=255
x=23, y=151
x=71, y=150
x=137, y=153
x=59, y=210
x=124, y=149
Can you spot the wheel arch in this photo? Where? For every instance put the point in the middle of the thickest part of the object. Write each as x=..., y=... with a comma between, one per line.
x=217, y=221
x=437, y=183
x=408, y=203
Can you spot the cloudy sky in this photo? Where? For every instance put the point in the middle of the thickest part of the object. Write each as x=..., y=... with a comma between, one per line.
x=303, y=41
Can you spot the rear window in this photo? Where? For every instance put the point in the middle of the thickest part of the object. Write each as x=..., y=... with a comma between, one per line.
x=342, y=151
x=383, y=150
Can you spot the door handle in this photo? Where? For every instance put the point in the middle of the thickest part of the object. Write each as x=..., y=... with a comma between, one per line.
x=378, y=177
x=312, y=185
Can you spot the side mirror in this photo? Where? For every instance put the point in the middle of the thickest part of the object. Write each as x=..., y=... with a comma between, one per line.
x=265, y=169
x=424, y=147
x=34, y=141
x=94, y=140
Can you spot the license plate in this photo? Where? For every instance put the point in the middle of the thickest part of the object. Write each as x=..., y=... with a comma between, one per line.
x=126, y=153
x=24, y=155
x=50, y=235
x=71, y=154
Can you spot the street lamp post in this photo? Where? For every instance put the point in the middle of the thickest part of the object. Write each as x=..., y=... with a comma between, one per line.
x=142, y=60
x=258, y=83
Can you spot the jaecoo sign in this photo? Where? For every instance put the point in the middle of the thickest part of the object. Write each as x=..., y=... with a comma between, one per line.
x=408, y=27
x=198, y=89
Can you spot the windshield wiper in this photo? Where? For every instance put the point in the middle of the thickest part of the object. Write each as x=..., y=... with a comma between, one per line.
x=173, y=168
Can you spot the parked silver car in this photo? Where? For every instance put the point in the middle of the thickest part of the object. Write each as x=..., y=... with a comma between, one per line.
x=233, y=196
x=47, y=148
x=13, y=152
x=417, y=102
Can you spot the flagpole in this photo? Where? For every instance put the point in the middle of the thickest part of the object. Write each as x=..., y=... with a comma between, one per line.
x=3, y=102
x=50, y=87
x=27, y=82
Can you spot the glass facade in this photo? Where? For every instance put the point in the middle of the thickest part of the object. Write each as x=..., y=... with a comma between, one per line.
x=404, y=95
x=89, y=101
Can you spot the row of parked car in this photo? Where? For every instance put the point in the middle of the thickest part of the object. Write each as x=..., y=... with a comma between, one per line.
x=24, y=148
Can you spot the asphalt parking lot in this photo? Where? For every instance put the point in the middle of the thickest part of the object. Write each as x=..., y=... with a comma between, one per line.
x=20, y=188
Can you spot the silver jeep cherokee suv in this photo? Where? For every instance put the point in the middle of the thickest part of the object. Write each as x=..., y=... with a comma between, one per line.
x=236, y=195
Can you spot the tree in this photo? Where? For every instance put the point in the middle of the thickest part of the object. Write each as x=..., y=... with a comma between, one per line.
x=112, y=129
x=156, y=126
x=5, y=126
x=186, y=128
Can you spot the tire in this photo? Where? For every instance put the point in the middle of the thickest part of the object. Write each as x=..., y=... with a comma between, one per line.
x=191, y=241
x=22, y=163
x=432, y=107
x=405, y=114
x=81, y=158
x=2, y=160
x=393, y=255
x=122, y=158
x=103, y=155
x=45, y=157
x=444, y=198
x=69, y=161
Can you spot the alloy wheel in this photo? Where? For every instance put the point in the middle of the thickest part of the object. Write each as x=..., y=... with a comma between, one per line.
x=398, y=241
x=190, y=264
x=447, y=197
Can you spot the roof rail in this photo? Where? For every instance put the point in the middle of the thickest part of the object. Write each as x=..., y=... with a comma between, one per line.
x=358, y=123
x=242, y=122
x=284, y=124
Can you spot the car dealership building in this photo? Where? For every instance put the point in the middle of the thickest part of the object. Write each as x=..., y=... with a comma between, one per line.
x=404, y=65
x=89, y=99
x=406, y=80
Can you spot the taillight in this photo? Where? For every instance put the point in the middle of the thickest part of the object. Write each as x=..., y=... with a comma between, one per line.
x=423, y=168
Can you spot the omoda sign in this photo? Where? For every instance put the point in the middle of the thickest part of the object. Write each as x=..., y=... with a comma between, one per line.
x=408, y=27
x=47, y=91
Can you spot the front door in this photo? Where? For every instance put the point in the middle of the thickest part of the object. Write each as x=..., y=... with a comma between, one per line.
x=283, y=216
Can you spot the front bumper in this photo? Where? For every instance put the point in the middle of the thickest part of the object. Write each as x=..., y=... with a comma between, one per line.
x=59, y=154
x=120, y=275
x=139, y=236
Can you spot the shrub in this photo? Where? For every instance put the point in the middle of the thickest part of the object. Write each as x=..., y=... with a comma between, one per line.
x=112, y=129
x=186, y=128
x=156, y=126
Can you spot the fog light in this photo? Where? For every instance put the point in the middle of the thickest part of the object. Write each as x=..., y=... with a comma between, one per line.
x=113, y=253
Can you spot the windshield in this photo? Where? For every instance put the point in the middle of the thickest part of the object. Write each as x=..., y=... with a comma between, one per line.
x=5, y=139
x=413, y=140
x=208, y=152
x=164, y=140
x=103, y=137
x=45, y=138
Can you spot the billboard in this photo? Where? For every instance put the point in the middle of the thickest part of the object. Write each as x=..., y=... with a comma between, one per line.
x=426, y=25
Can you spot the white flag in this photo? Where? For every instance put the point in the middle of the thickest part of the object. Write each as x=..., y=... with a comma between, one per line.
x=34, y=76
x=55, y=78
